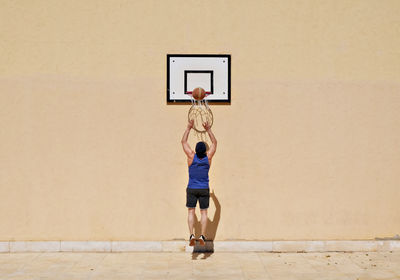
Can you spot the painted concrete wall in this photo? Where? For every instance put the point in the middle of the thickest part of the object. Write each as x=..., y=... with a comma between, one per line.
x=308, y=149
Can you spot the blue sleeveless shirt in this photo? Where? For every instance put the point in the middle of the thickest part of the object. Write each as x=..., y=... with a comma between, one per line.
x=198, y=173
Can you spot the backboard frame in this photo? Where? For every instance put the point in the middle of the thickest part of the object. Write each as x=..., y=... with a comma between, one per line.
x=181, y=101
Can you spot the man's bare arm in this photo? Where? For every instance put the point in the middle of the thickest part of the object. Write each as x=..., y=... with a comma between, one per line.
x=185, y=145
x=213, y=147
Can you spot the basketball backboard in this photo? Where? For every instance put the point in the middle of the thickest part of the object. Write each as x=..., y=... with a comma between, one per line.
x=212, y=72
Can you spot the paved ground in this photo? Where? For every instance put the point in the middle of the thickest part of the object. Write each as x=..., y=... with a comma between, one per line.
x=186, y=266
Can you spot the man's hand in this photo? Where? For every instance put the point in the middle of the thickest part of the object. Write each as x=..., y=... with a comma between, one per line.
x=190, y=124
x=206, y=126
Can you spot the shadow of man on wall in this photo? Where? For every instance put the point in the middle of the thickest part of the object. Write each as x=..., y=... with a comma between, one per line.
x=211, y=231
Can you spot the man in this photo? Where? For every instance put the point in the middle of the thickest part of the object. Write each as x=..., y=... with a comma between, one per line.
x=198, y=187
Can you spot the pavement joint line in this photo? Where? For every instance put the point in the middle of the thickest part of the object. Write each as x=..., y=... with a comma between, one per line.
x=265, y=268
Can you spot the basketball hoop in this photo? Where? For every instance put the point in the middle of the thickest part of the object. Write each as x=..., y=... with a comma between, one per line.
x=200, y=112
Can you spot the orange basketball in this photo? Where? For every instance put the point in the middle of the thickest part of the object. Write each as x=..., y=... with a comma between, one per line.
x=198, y=93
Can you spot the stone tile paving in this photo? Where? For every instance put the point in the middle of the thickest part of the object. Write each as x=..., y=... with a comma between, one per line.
x=181, y=265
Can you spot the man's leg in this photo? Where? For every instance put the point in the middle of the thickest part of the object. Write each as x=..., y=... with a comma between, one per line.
x=204, y=202
x=191, y=202
x=191, y=217
x=203, y=221
x=191, y=213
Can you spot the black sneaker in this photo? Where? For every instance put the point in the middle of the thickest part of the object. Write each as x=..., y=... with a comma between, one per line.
x=202, y=240
x=192, y=240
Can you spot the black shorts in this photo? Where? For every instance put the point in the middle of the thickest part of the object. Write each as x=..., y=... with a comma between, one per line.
x=192, y=195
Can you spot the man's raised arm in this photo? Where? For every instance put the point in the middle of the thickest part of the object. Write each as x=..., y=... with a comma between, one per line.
x=213, y=147
x=185, y=145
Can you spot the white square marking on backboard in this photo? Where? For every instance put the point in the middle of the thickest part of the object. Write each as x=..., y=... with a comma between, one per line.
x=194, y=80
x=211, y=72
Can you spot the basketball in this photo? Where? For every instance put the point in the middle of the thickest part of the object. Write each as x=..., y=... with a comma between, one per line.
x=198, y=93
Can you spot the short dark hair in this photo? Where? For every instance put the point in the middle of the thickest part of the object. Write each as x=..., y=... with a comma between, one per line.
x=201, y=149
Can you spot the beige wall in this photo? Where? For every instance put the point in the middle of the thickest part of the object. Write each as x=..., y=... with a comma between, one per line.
x=308, y=149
